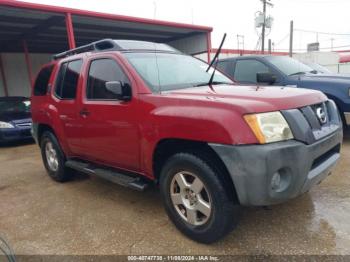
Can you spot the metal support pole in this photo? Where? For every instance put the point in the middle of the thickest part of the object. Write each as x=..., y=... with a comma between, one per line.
x=28, y=63
x=209, y=47
x=6, y=92
x=70, y=31
x=291, y=39
x=270, y=46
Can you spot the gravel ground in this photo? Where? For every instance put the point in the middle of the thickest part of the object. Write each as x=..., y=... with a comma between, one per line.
x=91, y=216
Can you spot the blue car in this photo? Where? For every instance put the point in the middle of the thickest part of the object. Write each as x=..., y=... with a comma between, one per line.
x=286, y=71
x=15, y=119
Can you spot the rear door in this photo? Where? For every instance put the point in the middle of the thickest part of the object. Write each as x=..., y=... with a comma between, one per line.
x=65, y=97
x=110, y=126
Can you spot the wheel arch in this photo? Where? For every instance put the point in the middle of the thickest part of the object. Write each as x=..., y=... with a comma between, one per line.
x=42, y=128
x=168, y=147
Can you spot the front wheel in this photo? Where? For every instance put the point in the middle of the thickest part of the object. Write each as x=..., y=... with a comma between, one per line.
x=53, y=157
x=196, y=199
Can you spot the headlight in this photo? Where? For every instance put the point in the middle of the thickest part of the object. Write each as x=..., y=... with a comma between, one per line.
x=6, y=125
x=269, y=127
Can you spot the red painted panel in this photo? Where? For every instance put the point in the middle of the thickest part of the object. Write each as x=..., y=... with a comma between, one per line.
x=70, y=31
x=63, y=10
x=209, y=46
x=344, y=57
x=28, y=63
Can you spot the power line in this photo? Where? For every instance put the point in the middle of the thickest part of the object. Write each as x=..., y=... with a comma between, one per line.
x=284, y=38
x=321, y=33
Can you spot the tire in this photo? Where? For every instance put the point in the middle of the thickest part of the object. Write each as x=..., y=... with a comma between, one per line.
x=207, y=226
x=49, y=147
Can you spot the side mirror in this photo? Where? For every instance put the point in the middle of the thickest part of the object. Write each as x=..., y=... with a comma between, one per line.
x=122, y=91
x=266, y=78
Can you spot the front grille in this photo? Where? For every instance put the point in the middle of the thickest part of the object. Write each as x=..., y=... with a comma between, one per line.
x=325, y=156
x=307, y=124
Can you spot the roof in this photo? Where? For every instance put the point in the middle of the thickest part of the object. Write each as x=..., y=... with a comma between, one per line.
x=44, y=27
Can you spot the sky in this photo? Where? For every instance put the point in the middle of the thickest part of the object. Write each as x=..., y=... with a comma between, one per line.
x=236, y=17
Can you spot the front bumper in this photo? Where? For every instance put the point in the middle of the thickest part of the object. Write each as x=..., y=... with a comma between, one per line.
x=253, y=168
x=15, y=134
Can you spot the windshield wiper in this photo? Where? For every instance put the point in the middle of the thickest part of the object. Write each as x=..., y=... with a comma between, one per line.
x=212, y=83
x=297, y=73
x=215, y=60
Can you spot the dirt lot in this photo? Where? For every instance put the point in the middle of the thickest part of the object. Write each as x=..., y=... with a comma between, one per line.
x=91, y=216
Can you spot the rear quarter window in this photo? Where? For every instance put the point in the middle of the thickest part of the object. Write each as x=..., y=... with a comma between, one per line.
x=42, y=81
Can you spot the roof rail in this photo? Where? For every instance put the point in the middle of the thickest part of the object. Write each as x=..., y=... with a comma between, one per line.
x=100, y=45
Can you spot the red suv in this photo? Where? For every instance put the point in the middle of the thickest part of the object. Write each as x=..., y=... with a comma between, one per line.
x=137, y=112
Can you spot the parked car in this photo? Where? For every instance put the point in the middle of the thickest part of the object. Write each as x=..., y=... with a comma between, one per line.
x=286, y=71
x=137, y=113
x=15, y=119
x=318, y=69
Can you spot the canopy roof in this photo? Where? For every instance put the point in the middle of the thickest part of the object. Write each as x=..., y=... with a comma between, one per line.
x=44, y=28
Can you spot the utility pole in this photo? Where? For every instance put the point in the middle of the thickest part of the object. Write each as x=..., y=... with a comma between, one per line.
x=240, y=42
x=332, y=39
x=263, y=27
x=155, y=9
x=270, y=46
x=291, y=39
x=264, y=2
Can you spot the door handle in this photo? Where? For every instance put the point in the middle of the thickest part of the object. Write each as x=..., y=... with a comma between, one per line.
x=84, y=112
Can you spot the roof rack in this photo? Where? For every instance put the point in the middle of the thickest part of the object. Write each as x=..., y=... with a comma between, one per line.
x=105, y=44
x=118, y=45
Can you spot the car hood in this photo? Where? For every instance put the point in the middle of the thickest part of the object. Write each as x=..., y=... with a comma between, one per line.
x=13, y=116
x=337, y=78
x=252, y=98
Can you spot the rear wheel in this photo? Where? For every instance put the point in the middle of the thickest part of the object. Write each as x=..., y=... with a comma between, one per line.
x=53, y=157
x=196, y=199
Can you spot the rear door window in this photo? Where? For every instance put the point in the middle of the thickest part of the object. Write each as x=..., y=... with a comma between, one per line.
x=246, y=70
x=42, y=81
x=67, y=79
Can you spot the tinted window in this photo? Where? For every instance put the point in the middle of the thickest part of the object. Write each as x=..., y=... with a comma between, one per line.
x=226, y=67
x=246, y=70
x=67, y=79
x=100, y=72
x=42, y=81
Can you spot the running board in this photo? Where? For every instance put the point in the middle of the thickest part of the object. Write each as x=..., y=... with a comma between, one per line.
x=134, y=182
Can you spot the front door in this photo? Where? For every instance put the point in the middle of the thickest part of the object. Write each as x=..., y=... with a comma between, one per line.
x=110, y=130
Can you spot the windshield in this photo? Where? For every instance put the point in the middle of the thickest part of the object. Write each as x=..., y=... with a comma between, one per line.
x=319, y=68
x=289, y=66
x=164, y=71
x=15, y=106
